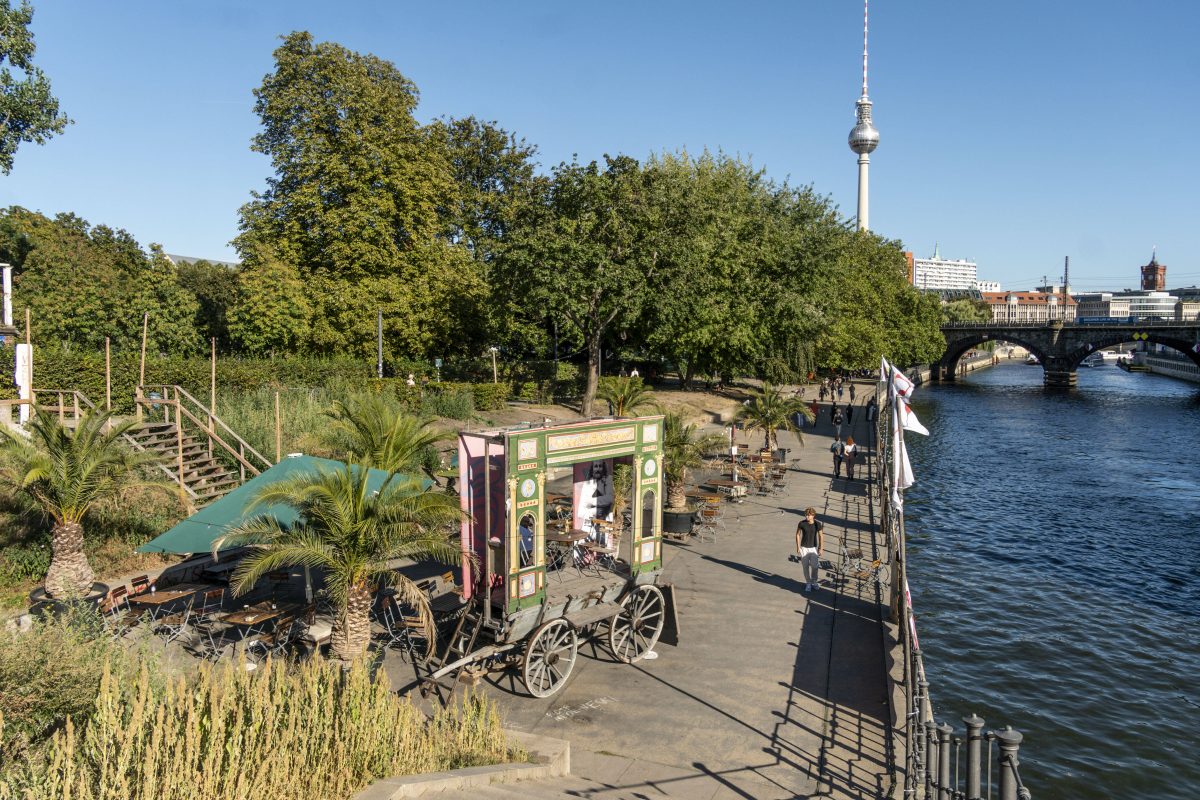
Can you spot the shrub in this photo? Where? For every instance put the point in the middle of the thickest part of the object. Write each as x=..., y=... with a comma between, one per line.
x=452, y=404
x=271, y=734
x=48, y=674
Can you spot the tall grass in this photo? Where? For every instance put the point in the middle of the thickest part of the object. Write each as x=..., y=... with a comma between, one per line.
x=273, y=734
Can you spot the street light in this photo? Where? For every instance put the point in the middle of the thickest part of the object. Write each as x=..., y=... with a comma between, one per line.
x=495, y=376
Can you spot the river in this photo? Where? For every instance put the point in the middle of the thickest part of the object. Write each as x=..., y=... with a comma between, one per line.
x=1054, y=561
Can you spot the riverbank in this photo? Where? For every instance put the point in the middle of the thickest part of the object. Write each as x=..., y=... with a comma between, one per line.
x=771, y=692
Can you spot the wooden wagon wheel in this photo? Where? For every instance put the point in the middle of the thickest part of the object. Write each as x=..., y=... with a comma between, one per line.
x=550, y=657
x=635, y=631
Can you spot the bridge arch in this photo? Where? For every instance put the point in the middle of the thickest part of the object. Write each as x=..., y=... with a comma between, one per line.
x=1113, y=338
x=947, y=366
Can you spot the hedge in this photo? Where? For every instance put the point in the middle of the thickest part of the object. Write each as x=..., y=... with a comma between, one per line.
x=56, y=368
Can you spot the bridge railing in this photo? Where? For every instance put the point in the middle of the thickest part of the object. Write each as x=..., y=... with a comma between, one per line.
x=1000, y=323
x=940, y=762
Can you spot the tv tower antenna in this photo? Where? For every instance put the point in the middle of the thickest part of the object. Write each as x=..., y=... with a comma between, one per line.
x=864, y=138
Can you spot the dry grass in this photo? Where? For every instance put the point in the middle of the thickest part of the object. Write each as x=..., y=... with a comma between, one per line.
x=273, y=734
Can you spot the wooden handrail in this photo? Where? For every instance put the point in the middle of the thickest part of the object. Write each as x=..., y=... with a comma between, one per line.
x=173, y=395
x=241, y=460
x=267, y=463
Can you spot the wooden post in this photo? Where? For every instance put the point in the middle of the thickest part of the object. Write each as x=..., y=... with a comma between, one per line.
x=142, y=369
x=61, y=408
x=29, y=370
x=278, y=432
x=107, y=375
x=179, y=443
x=212, y=403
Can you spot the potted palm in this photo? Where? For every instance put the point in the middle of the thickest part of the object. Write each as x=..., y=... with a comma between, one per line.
x=66, y=472
x=683, y=451
x=769, y=411
x=352, y=533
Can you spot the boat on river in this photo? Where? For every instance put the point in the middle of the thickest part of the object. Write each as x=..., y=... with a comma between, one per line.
x=1031, y=359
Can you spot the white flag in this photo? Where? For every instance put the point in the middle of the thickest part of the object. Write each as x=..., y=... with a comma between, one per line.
x=902, y=474
x=895, y=379
x=908, y=419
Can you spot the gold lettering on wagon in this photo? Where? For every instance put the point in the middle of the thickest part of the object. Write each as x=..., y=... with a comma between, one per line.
x=574, y=441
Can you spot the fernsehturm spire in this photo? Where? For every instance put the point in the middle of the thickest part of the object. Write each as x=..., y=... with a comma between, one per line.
x=863, y=137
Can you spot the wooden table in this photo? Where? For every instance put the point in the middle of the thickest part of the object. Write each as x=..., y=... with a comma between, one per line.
x=259, y=614
x=158, y=599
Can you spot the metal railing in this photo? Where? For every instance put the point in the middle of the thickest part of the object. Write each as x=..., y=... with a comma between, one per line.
x=1051, y=323
x=940, y=764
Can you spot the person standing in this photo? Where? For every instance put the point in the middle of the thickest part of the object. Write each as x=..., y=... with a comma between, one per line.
x=837, y=419
x=821, y=393
x=839, y=454
x=808, y=547
x=851, y=454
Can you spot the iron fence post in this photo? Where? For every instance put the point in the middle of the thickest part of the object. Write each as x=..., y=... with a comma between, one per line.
x=974, y=753
x=931, y=756
x=922, y=750
x=943, y=734
x=1010, y=743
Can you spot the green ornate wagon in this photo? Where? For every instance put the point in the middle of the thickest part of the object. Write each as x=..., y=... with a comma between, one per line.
x=536, y=585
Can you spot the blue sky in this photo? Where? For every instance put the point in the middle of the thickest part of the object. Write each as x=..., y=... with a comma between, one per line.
x=1013, y=133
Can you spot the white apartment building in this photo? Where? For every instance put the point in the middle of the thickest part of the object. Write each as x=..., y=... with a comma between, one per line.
x=1139, y=304
x=1030, y=306
x=943, y=273
x=987, y=286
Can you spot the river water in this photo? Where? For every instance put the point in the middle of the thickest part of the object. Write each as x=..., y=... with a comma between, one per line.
x=1054, y=561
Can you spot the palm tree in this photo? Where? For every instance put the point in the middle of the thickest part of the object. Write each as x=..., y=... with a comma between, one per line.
x=376, y=433
x=769, y=411
x=66, y=473
x=627, y=395
x=683, y=451
x=351, y=532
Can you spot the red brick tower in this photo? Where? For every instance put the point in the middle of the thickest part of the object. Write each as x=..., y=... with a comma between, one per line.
x=1154, y=275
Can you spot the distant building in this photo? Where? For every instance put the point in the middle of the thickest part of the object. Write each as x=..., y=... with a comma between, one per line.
x=1137, y=304
x=1030, y=306
x=1154, y=275
x=943, y=273
x=987, y=286
x=178, y=259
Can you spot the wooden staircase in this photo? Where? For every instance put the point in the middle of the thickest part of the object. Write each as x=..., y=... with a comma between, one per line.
x=204, y=476
x=200, y=452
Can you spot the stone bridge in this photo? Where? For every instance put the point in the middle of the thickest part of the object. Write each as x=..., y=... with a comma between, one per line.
x=1061, y=346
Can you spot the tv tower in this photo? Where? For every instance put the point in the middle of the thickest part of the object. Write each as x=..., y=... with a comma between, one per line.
x=863, y=137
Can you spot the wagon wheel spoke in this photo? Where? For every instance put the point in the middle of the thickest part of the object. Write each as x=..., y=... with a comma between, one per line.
x=549, y=658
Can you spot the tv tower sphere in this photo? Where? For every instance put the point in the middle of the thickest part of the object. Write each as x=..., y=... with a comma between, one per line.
x=863, y=136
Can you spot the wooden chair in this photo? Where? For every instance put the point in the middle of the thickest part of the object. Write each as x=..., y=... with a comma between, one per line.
x=140, y=584
x=210, y=603
x=404, y=631
x=275, y=642
x=605, y=553
x=173, y=625
x=117, y=616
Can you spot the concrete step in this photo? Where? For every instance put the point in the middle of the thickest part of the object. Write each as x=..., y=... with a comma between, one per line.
x=567, y=786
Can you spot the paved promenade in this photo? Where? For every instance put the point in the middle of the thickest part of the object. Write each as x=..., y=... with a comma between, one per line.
x=772, y=693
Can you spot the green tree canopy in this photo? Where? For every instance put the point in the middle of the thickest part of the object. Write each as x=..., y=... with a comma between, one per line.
x=28, y=109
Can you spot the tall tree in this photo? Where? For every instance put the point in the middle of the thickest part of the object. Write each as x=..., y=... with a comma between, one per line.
x=589, y=253
x=271, y=313
x=28, y=111
x=215, y=288
x=358, y=199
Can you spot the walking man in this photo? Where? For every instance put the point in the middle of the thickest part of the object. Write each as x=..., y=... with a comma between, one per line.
x=850, y=414
x=839, y=454
x=808, y=547
x=837, y=419
x=852, y=392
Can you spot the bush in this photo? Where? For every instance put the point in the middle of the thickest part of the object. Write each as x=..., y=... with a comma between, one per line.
x=48, y=674
x=272, y=734
x=452, y=404
x=25, y=562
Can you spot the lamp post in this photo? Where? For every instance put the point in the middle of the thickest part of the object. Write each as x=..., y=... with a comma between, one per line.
x=495, y=375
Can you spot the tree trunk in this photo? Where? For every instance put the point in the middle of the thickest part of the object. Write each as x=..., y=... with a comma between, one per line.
x=352, y=628
x=676, y=494
x=593, y=374
x=70, y=574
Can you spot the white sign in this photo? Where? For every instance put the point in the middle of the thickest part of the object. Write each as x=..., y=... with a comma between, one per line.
x=24, y=355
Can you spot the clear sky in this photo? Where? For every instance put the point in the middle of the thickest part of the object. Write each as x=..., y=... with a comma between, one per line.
x=1012, y=133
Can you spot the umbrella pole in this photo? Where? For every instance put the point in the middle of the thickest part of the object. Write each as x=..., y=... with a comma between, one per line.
x=307, y=585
